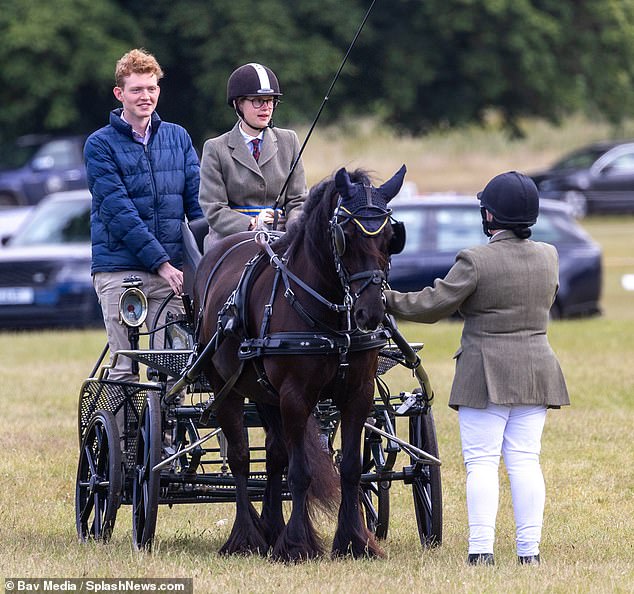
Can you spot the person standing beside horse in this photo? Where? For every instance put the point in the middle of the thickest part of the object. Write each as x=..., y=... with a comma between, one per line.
x=143, y=174
x=244, y=170
x=506, y=372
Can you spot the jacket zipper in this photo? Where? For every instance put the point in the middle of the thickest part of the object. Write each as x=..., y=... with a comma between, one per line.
x=146, y=150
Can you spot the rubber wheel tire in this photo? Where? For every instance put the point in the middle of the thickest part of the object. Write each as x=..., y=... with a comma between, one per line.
x=427, y=487
x=8, y=200
x=99, y=479
x=146, y=484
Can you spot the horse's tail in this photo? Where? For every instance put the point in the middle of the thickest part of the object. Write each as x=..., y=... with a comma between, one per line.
x=324, y=491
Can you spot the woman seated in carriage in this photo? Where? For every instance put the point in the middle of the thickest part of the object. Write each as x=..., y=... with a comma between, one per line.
x=245, y=170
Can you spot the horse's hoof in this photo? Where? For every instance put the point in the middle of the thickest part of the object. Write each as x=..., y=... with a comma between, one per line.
x=244, y=548
x=245, y=551
x=292, y=552
x=368, y=551
x=294, y=556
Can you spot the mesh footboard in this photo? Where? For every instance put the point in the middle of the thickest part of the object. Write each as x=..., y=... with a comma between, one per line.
x=392, y=355
x=124, y=400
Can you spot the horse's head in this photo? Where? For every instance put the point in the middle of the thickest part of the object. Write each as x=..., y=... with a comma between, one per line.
x=363, y=237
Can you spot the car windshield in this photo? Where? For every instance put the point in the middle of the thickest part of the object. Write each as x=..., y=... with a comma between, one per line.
x=621, y=164
x=437, y=228
x=457, y=228
x=56, y=222
x=414, y=220
x=582, y=159
x=452, y=228
x=15, y=156
x=557, y=228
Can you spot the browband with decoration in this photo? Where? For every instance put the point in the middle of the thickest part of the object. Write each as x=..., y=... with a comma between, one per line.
x=354, y=217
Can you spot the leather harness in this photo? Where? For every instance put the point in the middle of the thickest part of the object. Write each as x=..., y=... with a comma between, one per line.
x=323, y=341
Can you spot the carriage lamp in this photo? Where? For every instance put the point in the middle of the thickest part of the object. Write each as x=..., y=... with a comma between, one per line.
x=133, y=306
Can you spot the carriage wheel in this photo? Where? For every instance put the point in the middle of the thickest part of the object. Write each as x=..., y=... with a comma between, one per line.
x=145, y=490
x=99, y=479
x=375, y=499
x=375, y=496
x=426, y=487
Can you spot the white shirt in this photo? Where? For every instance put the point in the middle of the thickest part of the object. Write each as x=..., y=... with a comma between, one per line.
x=248, y=139
x=142, y=139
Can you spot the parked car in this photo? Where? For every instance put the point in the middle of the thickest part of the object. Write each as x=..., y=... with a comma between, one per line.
x=11, y=219
x=598, y=178
x=438, y=227
x=45, y=276
x=40, y=166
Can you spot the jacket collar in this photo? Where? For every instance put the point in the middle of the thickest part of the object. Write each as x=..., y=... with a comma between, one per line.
x=121, y=126
x=240, y=152
x=504, y=234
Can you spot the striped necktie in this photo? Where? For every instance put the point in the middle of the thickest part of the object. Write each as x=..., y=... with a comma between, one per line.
x=256, y=148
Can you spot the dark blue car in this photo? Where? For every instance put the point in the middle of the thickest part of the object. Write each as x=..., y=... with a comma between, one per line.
x=438, y=227
x=45, y=276
x=40, y=166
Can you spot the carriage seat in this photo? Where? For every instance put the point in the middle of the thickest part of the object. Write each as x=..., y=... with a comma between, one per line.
x=194, y=233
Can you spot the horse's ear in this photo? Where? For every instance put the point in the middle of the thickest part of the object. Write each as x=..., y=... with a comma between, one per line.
x=342, y=183
x=393, y=185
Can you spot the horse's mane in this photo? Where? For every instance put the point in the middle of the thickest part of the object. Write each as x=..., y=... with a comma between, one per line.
x=316, y=212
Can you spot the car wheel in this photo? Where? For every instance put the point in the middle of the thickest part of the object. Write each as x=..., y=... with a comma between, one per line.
x=578, y=203
x=7, y=199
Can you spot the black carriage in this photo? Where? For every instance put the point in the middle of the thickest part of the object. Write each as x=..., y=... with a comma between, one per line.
x=159, y=441
x=142, y=448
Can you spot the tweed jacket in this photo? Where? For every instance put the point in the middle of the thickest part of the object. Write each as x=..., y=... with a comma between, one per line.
x=230, y=177
x=504, y=291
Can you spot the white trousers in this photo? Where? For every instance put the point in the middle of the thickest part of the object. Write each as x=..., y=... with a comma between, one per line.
x=515, y=432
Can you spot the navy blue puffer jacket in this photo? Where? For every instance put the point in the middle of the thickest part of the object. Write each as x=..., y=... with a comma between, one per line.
x=140, y=195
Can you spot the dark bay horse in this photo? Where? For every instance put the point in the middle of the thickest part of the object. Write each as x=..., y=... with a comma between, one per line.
x=319, y=284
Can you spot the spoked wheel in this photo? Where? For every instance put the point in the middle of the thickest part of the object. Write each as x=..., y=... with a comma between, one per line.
x=375, y=499
x=99, y=479
x=426, y=485
x=375, y=495
x=145, y=490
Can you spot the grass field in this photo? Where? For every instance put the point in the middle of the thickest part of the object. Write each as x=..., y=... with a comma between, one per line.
x=588, y=540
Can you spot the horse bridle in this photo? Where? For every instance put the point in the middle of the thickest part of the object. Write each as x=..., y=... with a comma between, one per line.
x=341, y=217
x=337, y=242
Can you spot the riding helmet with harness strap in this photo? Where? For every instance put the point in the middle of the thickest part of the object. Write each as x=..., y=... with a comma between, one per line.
x=252, y=80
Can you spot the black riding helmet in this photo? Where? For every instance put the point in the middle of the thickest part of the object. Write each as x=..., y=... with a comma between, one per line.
x=513, y=200
x=251, y=80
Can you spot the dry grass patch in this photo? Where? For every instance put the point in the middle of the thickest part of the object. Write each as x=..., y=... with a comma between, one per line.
x=587, y=453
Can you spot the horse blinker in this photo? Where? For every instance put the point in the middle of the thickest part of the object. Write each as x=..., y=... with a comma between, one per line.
x=339, y=239
x=397, y=241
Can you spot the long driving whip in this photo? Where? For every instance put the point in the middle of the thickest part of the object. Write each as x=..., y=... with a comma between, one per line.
x=321, y=108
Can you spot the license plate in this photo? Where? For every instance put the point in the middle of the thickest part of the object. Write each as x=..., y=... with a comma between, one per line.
x=16, y=295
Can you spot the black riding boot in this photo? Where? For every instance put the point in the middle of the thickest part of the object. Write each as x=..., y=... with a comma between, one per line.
x=480, y=559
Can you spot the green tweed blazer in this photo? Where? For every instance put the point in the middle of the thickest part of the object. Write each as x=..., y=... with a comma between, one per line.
x=504, y=291
x=230, y=176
